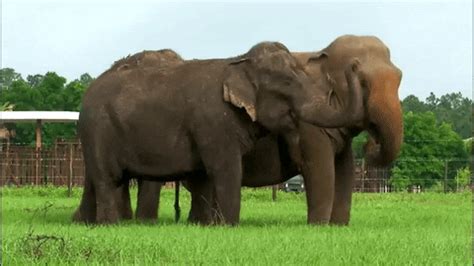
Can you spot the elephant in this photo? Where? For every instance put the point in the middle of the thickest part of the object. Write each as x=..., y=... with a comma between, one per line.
x=324, y=155
x=146, y=59
x=177, y=120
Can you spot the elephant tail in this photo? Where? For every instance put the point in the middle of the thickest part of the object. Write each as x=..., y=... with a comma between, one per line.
x=177, y=209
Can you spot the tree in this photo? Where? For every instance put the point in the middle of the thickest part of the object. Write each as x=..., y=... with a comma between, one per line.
x=358, y=144
x=7, y=77
x=21, y=95
x=411, y=103
x=427, y=147
x=86, y=80
x=34, y=80
x=454, y=109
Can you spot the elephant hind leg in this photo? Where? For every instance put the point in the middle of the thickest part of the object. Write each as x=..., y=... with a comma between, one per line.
x=148, y=200
x=103, y=170
x=107, y=211
x=124, y=205
x=86, y=213
x=106, y=183
x=202, y=199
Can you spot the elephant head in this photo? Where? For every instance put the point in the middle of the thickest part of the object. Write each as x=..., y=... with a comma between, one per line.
x=380, y=79
x=274, y=90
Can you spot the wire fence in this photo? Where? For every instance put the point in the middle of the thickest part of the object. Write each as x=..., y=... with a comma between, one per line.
x=61, y=164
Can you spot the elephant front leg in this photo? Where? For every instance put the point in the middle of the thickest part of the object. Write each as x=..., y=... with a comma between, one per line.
x=202, y=199
x=224, y=170
x=318, y=173
x=148, y=200
x=345, y=176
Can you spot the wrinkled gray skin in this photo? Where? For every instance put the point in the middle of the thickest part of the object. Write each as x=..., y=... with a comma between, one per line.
x=324, y=155
x=177, y=120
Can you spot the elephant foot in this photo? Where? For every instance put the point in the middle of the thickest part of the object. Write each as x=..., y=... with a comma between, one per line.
x=128, y=215
x=318, y=222
x=341, y=215
x=107, y=216
x=146, y=217
x=81, y=217
x=200, y=218
x=339, y=223
x=320, y=215
x=144, y=214
x=77, y=217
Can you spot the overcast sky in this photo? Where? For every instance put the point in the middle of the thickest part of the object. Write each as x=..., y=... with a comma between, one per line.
x=431, y=41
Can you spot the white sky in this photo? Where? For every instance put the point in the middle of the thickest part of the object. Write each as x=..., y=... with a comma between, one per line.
x=431, y=41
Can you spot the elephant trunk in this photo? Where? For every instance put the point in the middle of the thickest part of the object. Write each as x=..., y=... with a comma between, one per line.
x=321, y=114
x=386, y=123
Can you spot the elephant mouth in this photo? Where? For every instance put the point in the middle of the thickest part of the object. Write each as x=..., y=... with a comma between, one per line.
x=374, y=132
x=372, y=147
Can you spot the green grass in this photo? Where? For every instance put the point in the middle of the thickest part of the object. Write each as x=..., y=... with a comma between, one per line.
x=386, y=229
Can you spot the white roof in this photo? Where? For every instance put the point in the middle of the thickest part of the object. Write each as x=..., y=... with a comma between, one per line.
x=33, y=116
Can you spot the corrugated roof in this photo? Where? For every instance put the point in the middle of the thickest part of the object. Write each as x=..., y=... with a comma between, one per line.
x=33, y=116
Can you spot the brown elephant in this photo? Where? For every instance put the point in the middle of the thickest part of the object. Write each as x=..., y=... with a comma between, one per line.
x=199, y=116
x=328, y=163
x=323, y=155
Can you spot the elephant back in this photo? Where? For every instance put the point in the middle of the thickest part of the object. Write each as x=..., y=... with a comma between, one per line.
x=158, y=59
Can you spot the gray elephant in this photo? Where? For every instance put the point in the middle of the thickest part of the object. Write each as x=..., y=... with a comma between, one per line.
x=146, y=59
x=199, y=116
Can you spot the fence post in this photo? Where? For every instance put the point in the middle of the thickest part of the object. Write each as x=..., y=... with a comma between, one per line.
x=457, y=185
x=363, y=174
x=38, y=150
x=69, y=183
x=55, y=163
x=274, y=192
x=445, y=176
x=8, y=166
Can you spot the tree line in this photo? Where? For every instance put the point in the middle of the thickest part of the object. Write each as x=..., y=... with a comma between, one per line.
x=48, y=92
x=436, y=130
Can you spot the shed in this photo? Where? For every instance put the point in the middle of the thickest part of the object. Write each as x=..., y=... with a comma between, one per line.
x=38, y=117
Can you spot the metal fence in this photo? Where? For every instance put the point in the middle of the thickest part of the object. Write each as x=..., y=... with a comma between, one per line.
x=61, y=164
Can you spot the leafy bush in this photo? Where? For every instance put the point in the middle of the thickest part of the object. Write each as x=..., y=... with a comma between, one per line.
x=463, y=178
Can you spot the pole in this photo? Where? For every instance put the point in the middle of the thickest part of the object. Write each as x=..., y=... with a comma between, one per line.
x=274, y=192
x=69, y=183
x=37, y=150
x=363, y=175
x=8, y=169
x=445, y=176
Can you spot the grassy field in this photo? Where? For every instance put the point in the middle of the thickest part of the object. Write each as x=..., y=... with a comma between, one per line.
x=386, y=229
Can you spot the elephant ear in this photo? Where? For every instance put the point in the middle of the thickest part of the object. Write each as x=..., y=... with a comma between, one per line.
x=239, y=91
